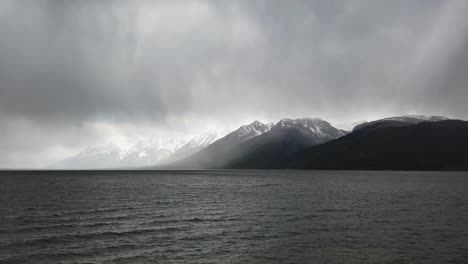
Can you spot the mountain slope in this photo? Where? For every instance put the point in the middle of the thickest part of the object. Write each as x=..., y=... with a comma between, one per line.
x=144, y=153
x=216, y=154
x=400, y=121
x=285, y=138
x=193, y=146
x=425, y=146
x=92, y=158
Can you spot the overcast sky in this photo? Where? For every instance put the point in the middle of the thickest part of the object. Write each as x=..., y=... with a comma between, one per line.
x=83, y=73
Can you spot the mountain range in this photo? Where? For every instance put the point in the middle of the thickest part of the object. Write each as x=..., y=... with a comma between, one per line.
x=192, y=147
x=400, y=143
x=142, y=154
x=286, y=137
x=224, y=149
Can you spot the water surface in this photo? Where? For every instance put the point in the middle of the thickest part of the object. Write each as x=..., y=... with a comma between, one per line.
x=233, y=217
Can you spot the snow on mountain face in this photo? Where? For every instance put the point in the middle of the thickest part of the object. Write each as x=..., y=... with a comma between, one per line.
x=251, y=130
x=92, y=158
x=223, y=149
x=315, y=127
x=201, y=141
x=196, y=144
x=144, y=153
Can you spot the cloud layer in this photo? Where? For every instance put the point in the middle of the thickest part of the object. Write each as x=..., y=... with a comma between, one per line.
x=78, y=73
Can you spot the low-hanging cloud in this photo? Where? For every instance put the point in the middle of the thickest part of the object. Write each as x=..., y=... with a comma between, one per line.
x=70, y=68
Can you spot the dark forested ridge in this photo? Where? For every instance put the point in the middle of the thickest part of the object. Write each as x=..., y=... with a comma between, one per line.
x=441, y=145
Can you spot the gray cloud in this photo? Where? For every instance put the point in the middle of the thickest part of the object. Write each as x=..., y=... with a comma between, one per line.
x=70, y=68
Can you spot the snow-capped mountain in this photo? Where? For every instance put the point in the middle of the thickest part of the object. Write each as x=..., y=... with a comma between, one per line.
x=201, y=141
x=107, y=156
x=249, y=131
x=314, y=127
x=425, y=146
x=194, y=145
x=287, y=137
x=223, y=147
x=144, y=153
x=257, y=141
x=255, y=145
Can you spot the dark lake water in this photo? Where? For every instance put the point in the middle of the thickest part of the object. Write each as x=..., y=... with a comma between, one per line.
x=233, y=217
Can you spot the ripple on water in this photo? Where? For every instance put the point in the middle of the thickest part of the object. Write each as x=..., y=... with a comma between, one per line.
x=234, y=217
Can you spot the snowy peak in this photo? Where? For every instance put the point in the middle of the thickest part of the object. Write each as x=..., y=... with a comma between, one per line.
x=288, y=136
x=251, y=130
x=193, y=146
x=144, y=153
x=223, y=149
x=311, y=126
x=202, y=140
x=307, y=122
x=92, y=158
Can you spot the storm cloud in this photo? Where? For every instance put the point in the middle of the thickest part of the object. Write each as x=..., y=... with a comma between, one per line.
x=79, y=73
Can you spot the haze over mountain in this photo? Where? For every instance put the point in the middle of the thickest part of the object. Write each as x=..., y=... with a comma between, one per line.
x=100, y=157
x=152, y=152
x=292, y=134
x=192, y=147
x=223, y=149
x=143, y=154
x=112, y=156
x=301, y=143
x=89, y=73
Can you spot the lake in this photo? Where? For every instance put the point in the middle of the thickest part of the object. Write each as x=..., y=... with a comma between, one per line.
x=233, y=216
